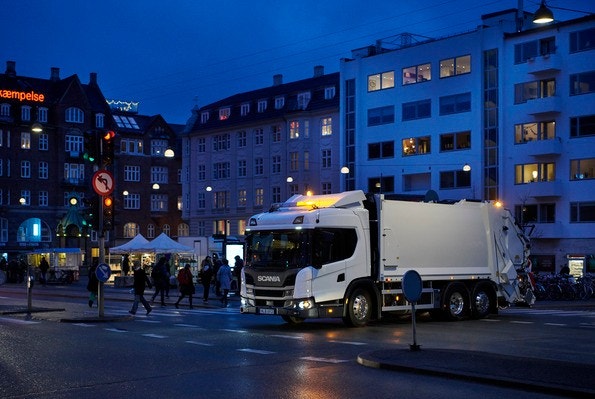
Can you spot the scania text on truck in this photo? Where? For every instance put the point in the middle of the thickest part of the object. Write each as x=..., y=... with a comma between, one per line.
x=344, y=255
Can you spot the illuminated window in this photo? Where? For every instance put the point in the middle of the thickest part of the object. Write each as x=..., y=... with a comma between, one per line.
x=294, y=129
x=381, y=81
x=224, y=113
x=534, y=131
x=534, y=172
x=25, y=140
x=259, y=197
x=582, y=169
x=455, y=66
x=326, y=126
x=416, y=145
x=417, y=74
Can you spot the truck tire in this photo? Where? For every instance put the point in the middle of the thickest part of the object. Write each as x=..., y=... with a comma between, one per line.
x=293, y=320
x=455, y=302
x=482, y=300
x=359, y=308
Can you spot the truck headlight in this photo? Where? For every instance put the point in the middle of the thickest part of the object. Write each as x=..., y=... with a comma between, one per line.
x=305, y=304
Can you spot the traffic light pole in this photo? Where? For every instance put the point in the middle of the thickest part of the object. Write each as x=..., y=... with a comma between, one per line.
x=100, y=298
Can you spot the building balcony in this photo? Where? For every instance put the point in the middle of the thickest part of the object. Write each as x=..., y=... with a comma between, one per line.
x=548, y=230
x=551, y=188
x=546, y=63
x=538, y=148
x=542, y=106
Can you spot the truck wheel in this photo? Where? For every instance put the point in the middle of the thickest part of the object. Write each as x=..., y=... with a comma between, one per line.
x=482, y=300
x=293, y=320
x=455, y=302
x=358, y=308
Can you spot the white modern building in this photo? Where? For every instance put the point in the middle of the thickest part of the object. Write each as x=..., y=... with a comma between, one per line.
x=505, y=112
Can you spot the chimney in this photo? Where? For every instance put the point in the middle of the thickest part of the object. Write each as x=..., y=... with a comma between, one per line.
x=318, y=71
x=11, y=69
x=55, y=75
x=93, y=79
x=277, y=79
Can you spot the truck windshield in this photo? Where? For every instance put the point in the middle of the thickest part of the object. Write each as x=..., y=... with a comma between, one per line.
x=281, y=249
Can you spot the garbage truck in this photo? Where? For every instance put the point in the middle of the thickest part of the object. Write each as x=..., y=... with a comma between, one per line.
x=344, y=256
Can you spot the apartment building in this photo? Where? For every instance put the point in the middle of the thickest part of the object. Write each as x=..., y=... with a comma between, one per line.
x=47, y=128
x=244, y=153
x=504, y=112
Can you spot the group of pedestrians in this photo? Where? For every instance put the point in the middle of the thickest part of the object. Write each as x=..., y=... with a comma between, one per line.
x=161, y=280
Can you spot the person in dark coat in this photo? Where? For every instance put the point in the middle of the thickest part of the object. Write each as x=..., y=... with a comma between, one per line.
x=44, y=266
x=140, y=281
x=206, y=275
x=126, y=265
x=93, y=285
x=160, y=276
x=186, y=284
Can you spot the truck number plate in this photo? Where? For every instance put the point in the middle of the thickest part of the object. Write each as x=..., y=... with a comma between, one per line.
x=266, y=311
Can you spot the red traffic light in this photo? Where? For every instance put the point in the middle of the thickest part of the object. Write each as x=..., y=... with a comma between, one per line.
x=110, y=134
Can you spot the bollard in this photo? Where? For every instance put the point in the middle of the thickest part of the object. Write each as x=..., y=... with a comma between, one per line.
x=30, y=279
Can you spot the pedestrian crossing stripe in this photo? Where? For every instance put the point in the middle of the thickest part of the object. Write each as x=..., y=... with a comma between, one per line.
x=324, y=360
x=17, y=321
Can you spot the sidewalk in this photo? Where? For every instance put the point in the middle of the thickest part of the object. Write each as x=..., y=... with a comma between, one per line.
x=80, y=312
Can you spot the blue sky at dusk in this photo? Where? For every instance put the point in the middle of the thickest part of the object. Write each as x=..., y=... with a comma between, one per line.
x=173, y=55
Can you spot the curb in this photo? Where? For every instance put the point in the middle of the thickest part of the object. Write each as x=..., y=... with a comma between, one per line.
x=498, y=369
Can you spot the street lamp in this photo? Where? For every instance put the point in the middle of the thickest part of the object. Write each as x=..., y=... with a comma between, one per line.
x=543, y=15
x=37, y=128
x=169, y=153
x=466, y=167
x=345, y=170
x=289, y=179
x=155, y=186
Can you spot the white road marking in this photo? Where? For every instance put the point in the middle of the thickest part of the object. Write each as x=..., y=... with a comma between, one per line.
x=287, y=336
x=154, y=336
x=189, y=326
x=234, y=331
x=118, y=330
x=199, y=343
x=260, y=352
x=521, y=322
x=324, y=360
x=348, y=342
x=556, y=324
x=84, y=324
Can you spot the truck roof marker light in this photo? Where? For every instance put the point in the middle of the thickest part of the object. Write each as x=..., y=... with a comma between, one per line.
x=253, y=222
x=298, y=220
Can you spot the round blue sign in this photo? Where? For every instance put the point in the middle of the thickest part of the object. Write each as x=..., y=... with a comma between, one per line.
x=103, y=272
x=412, y=285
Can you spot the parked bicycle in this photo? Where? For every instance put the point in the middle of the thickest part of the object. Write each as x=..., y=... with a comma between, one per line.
x=59, y=276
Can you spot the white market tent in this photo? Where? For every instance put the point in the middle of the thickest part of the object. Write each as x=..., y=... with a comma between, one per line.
x=137, y=244
x=164, y=244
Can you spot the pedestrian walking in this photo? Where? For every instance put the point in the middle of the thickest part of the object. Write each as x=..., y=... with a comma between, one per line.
x=216, y=265
x=92, y=285
x=160, y=280
x=44, y=266
x=126, y=265
x=206, y=275
x=186, y=285
x=141, y=280
x=224, y=278
x=237, y=271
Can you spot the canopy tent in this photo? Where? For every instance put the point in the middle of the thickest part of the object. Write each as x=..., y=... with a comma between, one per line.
x=137, y=244
x=164, y=244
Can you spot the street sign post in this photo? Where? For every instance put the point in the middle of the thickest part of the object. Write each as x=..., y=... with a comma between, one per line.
x=412, y=288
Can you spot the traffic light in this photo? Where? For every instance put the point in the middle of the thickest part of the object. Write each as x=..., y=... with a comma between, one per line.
x=108, y=213
x=92, y=212
x=90, y=147
x=107, y=147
